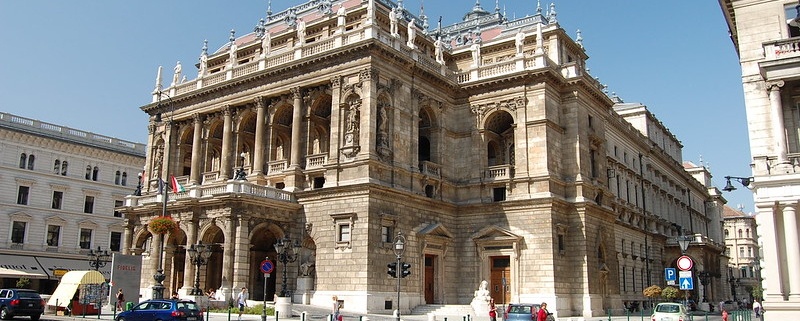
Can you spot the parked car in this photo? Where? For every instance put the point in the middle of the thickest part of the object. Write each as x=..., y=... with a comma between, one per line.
x=164, y=310
x=20, y=302
x=669, y=312
x=521, y=311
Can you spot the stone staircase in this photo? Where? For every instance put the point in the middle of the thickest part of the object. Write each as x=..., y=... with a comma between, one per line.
x=452, y=312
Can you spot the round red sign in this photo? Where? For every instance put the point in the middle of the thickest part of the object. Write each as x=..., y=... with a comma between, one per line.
x=685, y=263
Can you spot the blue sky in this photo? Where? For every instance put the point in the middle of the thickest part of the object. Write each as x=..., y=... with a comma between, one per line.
x=91, y=64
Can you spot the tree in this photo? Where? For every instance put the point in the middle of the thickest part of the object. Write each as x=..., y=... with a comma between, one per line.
x=757, y=292
x=23, y=283
x=652, y=291
x=669, y=293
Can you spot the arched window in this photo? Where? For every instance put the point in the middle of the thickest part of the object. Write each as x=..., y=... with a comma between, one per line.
x=747, y=232
x=31, y=158
x=95, y=171
x=64, y=168
x=117, y=177
x=726, y=233
x=88, y=172
x=57, y=167
x=23, y=158
x=740, y=233
x=124, y=178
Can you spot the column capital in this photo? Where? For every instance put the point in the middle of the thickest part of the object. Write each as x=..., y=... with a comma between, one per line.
x=297, y=93
x=775, y=85
x=259, y=101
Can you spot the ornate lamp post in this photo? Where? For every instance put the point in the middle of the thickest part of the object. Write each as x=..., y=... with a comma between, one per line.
x=198, y=254
x=734, y=284
x=704, y=278
x=98, y=259
x=399, y=248
x=159, y=276
x=288, y=252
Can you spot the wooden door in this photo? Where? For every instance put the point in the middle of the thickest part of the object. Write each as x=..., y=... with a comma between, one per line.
x=430, y=276
x=500, y=279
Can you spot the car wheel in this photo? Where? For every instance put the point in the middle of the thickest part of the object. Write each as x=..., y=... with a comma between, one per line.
x=120, y=319
x=4, y=314
x=36, y=317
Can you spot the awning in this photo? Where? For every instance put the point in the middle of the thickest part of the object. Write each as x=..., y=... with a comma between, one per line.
x=70, y=283
x=52, y=265
x=20, y=266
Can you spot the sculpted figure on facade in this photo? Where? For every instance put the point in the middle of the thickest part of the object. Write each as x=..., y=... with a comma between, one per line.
x=412, y=34
x=341, y=16
x=393, y=22
x=176, y=76
x=520, y=41
x=301, y=31
x=266, y=44
x=439, y=50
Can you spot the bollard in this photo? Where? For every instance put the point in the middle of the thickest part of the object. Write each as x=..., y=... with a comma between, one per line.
x=229, y=313
x=609, y=314
x=276, y=314
x=303, y=316
x=208, y=313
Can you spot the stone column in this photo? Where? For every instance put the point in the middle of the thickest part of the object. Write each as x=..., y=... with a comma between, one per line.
x=776, y=117
x=194, y=175
x=228, y=285
x=127, y=239
x=241, y=257
x=297, y=125
x=772, y=265
x=336, y=129
x=227, y=139
x=792, y=241
x=190, y=270
x=258, y=156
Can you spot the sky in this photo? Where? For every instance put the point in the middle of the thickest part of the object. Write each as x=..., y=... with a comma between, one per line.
x=91, y=65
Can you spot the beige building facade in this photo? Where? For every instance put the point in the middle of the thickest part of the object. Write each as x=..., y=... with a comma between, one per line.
x=485, y=143
x=60, y=188
x=742, y=247
x=765, y=35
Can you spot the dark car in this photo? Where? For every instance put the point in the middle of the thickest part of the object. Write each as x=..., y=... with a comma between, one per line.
x=20, y=302
x=164, y=310
x=521, y=311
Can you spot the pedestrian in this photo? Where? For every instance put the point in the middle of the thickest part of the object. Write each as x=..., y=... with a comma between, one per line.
x=725, y=315
x=757, y=308
x=120, y=300
x=242, y=301
x=174, y=295
x=492, y=310
x=335, y=308
x=544, y=314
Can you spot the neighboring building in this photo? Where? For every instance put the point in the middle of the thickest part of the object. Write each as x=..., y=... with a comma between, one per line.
x=486, y=144
x=766, y=36
x=741, y=245
x=60, y=187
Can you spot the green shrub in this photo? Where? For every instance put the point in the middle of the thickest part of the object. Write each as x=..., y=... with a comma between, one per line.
x=257, y=309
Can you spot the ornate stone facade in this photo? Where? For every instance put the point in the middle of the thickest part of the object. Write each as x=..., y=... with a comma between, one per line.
x=495, y=170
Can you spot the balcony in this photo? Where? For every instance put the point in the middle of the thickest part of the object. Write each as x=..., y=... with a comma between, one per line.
x=211, y=190
x=781, y=59
x=431, y=169
x=313, y=161
x=499, y=172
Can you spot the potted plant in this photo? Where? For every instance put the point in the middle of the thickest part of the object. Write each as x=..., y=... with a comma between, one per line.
x=162, y=225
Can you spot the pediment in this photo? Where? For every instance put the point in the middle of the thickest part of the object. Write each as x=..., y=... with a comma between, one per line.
x=55, y=220
x=495, y=233
x=436, y=230
x=20, y=216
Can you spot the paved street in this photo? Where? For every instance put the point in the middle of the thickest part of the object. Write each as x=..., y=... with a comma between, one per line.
x=318, y=313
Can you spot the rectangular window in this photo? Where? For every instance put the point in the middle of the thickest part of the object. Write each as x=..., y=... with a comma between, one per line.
x=88, y=204
x=58, y=196
x=53, y=235
x=344, y=233
x=118, y=203
x=115, y=242
x=791, y=23
x=86, y=238
x=22, y=195
x=499, y=194
x=18, y=232
x=386, y=234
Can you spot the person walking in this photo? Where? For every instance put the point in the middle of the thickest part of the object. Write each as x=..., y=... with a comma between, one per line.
x=543, y=313
x=120, y=300
x=725, y=315
x=242, y=301
x=335, y=308
x=492, y=310
x=757, y=308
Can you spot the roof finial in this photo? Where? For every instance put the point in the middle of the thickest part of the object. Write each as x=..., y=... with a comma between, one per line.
x=400, y=4
x=205, y=47
x=424, y=18
x=232, y=38
x=497, y=6
x=552, y=15
x=538, y=7
x=269, y=10
x=579, y=38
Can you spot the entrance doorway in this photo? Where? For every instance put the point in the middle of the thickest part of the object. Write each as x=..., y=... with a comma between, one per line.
x=500, y=278
x=430, y=276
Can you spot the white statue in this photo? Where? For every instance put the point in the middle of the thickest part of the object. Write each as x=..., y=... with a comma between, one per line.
x=439, y=50
x=476, y=54
x=341, y=16
x=393, y=22
x=177, y=75
x=480, y=302
x=232, y=54
x=203, y=65
x=266, y=44
x=520, y=41
x=412, y=34
x=301, y=31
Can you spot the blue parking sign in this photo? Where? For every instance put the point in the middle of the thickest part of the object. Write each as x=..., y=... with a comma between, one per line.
x=669, y=274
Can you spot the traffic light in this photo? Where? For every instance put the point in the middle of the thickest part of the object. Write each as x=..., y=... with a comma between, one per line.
x=392, y=269
x=405, y=269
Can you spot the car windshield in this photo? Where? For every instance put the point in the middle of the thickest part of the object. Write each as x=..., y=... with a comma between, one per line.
x=187, y=306
x=668, y=308
x=28, y=295
x=520, y=309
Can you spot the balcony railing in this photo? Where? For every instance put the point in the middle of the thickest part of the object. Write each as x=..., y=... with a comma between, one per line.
x=785, y=48
x=499, y=172
x=431, y=169
x=316, y=161
x=277, y=166
x=208, y=191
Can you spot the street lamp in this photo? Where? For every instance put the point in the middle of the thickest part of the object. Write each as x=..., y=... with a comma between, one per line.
x=734, y=284
x=745, y=181
x=159, y=276
x=684, y=242
x=240, y=174
x=198, y=256
x=138, y=191
x=704, y=278
x=98, y=259
x=399, y=248
x=287, y=253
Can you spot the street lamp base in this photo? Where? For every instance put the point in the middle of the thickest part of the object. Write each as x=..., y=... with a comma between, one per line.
x=283, y=305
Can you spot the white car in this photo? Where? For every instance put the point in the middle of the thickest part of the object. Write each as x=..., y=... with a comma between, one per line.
x=669, y=312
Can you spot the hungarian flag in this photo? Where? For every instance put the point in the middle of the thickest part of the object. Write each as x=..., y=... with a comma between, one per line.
x=176, y=187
